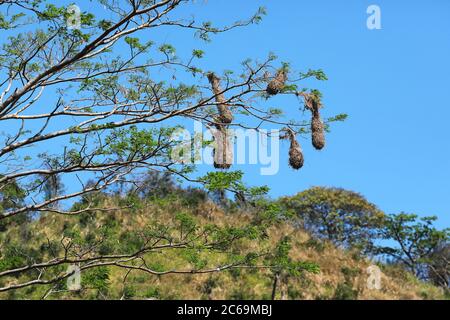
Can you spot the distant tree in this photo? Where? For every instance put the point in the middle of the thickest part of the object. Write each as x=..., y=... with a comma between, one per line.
x=343, y=217
x=157, y=184
x=51, y=185
x=417, y=241
x=439, y=265
x=284, y=267
x=11, y=196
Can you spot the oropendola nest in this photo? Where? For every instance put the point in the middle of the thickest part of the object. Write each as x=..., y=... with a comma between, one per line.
x=277, y=84
x=225, y=115
x=223, y=152
x=296, y=159
x=317, y=132
x=312, y=102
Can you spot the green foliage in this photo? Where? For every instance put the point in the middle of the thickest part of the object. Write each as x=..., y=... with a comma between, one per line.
x=167, y=49
x=198, y=53
x=339, y=117
x=269, y=213
x=222, y=180
x=133, y=142
x=241, y=294
x=317, y=244
x=129, y=292
x=282, y=262
x=11, y=258
x=438, y=265
x=10, y=23
x=345, y=291
x=105, y=24
x=350, y=273
x=343, y=217
x=416, y=238
x=52, y=12
x=186, y=224
x=318, y=74
x=231, y=181
x=257, y=18
x=96, y=278
x=133, y=42
x=11, y=195
x=153, y=292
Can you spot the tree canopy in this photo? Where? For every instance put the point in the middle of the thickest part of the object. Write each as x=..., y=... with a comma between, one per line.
x=91, y=101
x=341, y=216
x=420, y=244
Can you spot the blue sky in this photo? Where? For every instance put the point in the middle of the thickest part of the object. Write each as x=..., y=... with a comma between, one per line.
x=393, y=83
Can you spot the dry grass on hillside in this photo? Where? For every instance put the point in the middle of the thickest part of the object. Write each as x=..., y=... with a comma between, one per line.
x=342, y=273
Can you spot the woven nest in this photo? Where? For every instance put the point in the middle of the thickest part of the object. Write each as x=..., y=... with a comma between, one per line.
x=277, y=84
x=317, y=132
x=225, y=115
x=296, y=159
x=312, y=102
x=224, y=166
x=223, y=151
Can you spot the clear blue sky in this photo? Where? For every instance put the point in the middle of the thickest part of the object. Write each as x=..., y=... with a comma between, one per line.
x=393, y=83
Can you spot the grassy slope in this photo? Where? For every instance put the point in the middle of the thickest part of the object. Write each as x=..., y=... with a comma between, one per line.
x=343, y=274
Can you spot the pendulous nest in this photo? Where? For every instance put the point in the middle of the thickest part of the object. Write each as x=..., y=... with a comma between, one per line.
x=295, y=152
x=223, y=151
x=313, y=103
x=317, y=132
x=225, y=115
x=277, y=84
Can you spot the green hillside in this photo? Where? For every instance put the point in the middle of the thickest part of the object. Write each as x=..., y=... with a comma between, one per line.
x=184, y=237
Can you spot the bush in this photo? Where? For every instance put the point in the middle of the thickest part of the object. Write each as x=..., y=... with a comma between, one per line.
x=343, y=217
x=344, y=291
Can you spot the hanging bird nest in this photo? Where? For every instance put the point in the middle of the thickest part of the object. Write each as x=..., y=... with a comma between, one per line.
x=223, y=150
x=317, y=132
x=296, y=159
x=277, y=84
x=312, y=102
x=225, y=115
